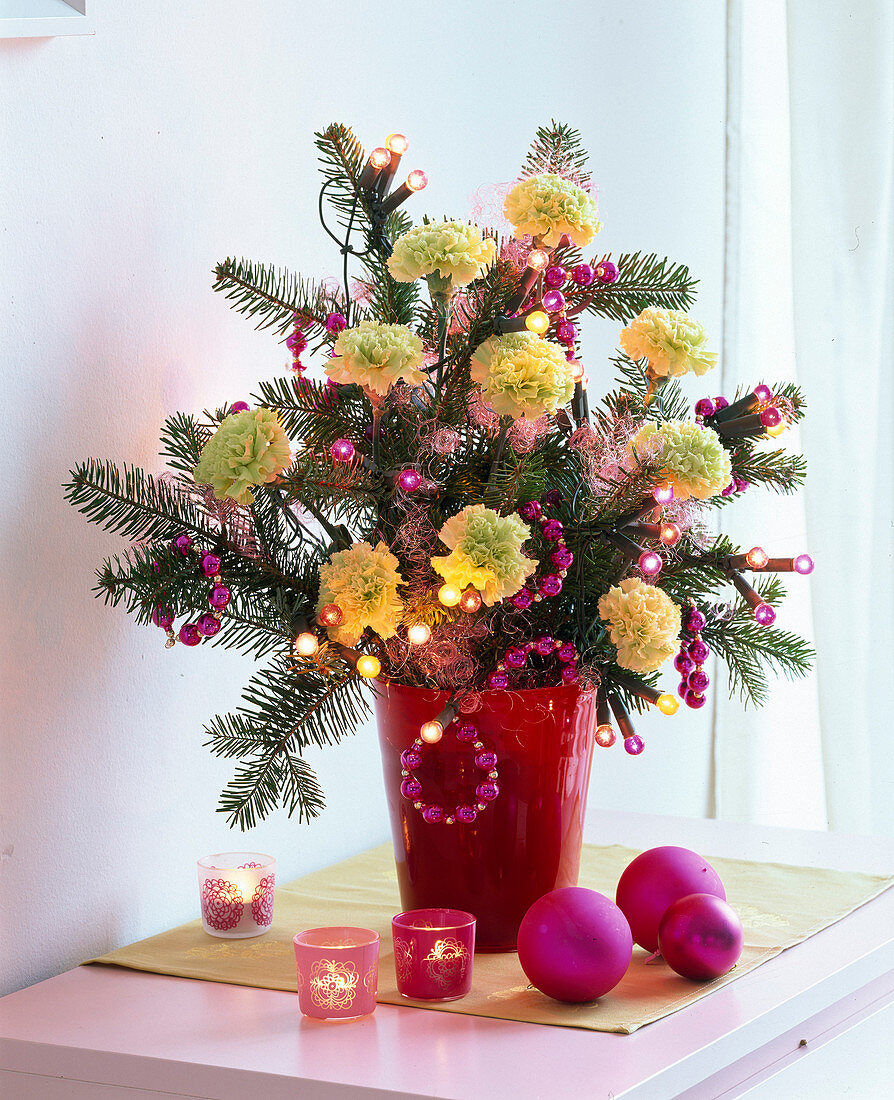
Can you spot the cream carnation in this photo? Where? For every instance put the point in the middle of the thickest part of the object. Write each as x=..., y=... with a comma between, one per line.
x=362, y=581
x=449, y=254
x=548, y=206
x=522, y=375
x=693, y=459
x=644, y=624
x=249, y=448
x=673, y=342
x=376, y=356
x=485, y=552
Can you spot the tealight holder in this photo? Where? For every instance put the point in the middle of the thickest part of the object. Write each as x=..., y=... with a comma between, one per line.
x=433, y=952
x=338, y=972
x=236, y=893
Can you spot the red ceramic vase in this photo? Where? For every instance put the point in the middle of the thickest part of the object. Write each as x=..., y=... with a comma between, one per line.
x=528, y=840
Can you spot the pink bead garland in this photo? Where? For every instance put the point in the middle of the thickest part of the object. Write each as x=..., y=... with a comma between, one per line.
x=485, y=792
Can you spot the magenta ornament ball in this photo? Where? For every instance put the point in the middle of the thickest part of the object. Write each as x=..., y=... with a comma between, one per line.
x=655, y=880
x=574, y=944
x=700, y=937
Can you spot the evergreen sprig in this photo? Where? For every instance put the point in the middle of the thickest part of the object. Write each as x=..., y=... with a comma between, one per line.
x=273, y=296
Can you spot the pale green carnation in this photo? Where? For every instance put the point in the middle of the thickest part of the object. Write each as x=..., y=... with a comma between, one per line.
x=249, y=448
x=693, y=459
x=673, y=342
x=485, y=552
x=363, y=582
x=548, y=206
x=521, y=374
x=644, y=624
x=376, y=356
x=449, y=254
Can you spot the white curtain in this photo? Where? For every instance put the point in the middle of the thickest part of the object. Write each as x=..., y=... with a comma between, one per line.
x=808, y=297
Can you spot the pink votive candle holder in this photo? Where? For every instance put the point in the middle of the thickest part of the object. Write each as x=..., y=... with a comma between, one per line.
x=433, y=951
x=338, y=972
x=236, y=893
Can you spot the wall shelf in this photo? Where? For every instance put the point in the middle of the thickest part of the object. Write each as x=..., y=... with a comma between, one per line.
x=43, y=18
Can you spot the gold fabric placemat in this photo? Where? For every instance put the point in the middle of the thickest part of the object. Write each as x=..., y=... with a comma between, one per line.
x=779, y=906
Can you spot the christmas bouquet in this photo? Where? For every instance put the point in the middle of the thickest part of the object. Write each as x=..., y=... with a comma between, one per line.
x=445, y=507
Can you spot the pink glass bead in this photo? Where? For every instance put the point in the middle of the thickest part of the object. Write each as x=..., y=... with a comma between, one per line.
x=566, y=332
x=219, y=596
x=486, y=761
x=607, y=272
x=552, y=530
x=515, y=657
x=569, y=672
x=698, y=680
x=650, y=563
x=694, y=620
x=555, y=276
x=487, y=791
x=210, y=565
x=466, y=814
x=605, y=737
x=705, y=407
x=803, y=564
x=522, y=600
x=764, y=614
x=582, y=274
x=239, y=407
x=189, y=634
x=698, y=651
x=683, y=662
x=411, y=788
x=771, y=417
x=552, y=498
x=530, y=511
x=683, y=687
x=694, y=699
x=335, y=323
x=741, y=484
x=410, y=480
x=468, y=731
x=567, y=651
x=762, y=392
x=410, y=759
x=182, y=543
x=163, y=617
x=208, y=625
x=720, y=403
x=561, y=557
x=544, y=645
x=550, y=584
x=296, y=342
x=728, y=490
x=634, y=744
x=497, y=680
x=433, y=814
x=342, y=450
x=553, y=301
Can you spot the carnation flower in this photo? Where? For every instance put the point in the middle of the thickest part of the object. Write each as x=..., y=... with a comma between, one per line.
x=549, y=206
x=693, y=459
x=644, y=624
x=673, y=342
x=376, y=356
x=248, y=448
x=448, y=254
x=362, y=581
x=485, y=552
x=522, y=375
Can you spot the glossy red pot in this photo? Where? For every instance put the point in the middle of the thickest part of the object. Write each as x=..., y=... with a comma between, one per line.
x=528, y=840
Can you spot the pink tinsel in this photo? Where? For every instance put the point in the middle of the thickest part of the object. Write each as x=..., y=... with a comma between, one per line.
x=604, y=454
x=481, y=413
x=523, y=434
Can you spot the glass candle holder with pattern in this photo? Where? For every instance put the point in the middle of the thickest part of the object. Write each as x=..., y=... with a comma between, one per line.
x=433, y=951
x=338, y=972
x=236, y=894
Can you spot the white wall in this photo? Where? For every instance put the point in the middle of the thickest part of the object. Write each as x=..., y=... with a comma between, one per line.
x=133, y=160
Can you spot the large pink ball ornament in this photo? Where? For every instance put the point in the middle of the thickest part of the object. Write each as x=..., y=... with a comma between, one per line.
x=700, y=937
x=574, y=944
x=654, y=881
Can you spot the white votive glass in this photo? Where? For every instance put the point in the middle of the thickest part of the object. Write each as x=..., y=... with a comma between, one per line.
x=236, y=894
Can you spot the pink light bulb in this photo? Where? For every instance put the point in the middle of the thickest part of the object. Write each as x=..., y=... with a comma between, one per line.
x=380, y=158
x=764, y=614
x=757, y=557
x=771, y=417
x=650, y=563
x=663, y=494
x=417, y=180
x=342, y=450
x=803, y=564
x=762, y=392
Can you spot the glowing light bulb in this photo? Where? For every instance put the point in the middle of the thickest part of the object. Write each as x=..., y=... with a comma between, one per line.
x=577, y=369
x=431, y=732
x=330, y=615
x=803, y=564
x=307, y=643
x=470, y=601
x=663, y=494
x=397, y=143
x=537, y=322
x=419, y=633
x=380, y=158
x=757, y=557
x=650, y=563
x=778, y=429
x=667, y=704
x=670, y=534
x=369, y=666
x=762, y=392
x=605, y=736
x=764, y=614
x=771, y=417
x=417, y=180
x=537, y=259
x=449, y=595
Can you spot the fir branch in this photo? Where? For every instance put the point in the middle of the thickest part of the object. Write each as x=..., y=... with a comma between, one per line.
x=643, y=281
x=557, y=148
x=342, y=160
x=182, y=440
x=274, y=296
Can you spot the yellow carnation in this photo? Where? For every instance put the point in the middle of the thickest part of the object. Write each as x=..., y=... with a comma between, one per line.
x=249, y=448
x=376, y=356
x=485, y=552
x=693, y=459
x=673, y=342
x=449, y=254
x=522, y=375
x=363, y=582
x=549, y=206
x=644, y=624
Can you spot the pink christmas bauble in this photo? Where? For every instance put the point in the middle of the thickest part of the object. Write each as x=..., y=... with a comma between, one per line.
x=700, y=937
x=655, y=880
x=574, y=944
